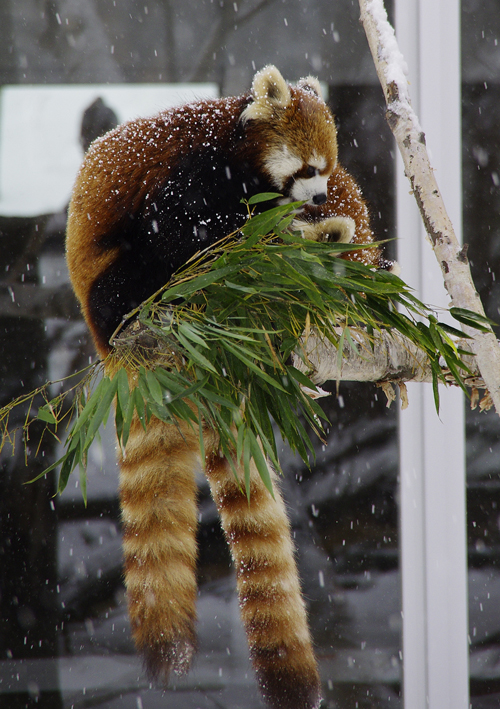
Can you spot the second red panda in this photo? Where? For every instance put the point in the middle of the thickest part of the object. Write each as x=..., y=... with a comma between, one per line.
x=149, y=195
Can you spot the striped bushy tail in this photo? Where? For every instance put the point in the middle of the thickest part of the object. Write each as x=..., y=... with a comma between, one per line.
x=272, y=608
x=158, y=501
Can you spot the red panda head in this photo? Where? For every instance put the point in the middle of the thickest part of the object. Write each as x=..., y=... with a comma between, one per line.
x=294, y=134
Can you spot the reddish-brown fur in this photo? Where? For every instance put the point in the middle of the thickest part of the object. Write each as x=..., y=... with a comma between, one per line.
x=345, y=199
x=148, y=196
x=272, y=608
x=160, y=517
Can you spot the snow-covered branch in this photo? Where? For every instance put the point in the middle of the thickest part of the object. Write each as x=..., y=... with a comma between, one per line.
x=452, y=258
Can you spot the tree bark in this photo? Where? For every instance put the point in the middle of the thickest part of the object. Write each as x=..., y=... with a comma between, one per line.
x=382, y=357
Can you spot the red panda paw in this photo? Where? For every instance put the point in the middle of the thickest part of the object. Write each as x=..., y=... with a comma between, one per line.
x=391, y=266
x=332, y=229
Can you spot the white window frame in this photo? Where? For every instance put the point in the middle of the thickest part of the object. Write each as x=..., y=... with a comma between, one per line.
x=432, y=448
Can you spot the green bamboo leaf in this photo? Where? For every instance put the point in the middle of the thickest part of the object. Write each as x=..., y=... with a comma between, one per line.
x=179, y=409
x=262, y=197
x=140, y=407
x=83, y=482
x=352, y=343
x=436, y=374
x=447, y=341
x=173, y=383
x=247, y=453
x=164, y=413
x=52, y=467
x=260, y=462
x=122, y=399
x=284, y=225
x=424, y=337
x=90, y=406
x=127, y=419
x=255, y=368
x=305, y=444
x=218, y=399
x=454, y=369
x=475, y=320
x=102, y=410
x=119, y=419
x=142, y=384
x=122, y=389
x=265, y=222
x=236, y=333
x=196, y=356
x=251, y=290
x=154, y=387
x=436, y=337
x=260, y=410
x=69, y=463
x=199, y=283
x=300, y=377
x=44, y=413
x=239, y=442
x=454, y=331
x=258, y=351
x=340, y=349
x=189, y=331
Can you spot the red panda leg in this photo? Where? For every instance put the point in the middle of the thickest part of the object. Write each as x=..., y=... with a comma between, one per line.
x=271, y=604
x=158, y=501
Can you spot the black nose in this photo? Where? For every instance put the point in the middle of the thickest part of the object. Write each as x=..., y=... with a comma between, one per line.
x=319, y=198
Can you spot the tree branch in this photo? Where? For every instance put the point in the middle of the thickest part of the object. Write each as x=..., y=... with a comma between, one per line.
x=383, y=358
x=404, y=124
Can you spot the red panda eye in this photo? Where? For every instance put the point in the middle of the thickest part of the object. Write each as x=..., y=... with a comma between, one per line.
x=311, y=171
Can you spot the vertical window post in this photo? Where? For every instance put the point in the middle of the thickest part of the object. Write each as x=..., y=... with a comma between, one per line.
x=432, y=448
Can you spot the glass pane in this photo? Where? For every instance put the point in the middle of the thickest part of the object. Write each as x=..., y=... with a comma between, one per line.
x=481, y=183
x=68, y=72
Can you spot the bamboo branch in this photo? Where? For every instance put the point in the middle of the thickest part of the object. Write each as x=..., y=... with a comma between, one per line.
x=383, y=358
x=404, y=124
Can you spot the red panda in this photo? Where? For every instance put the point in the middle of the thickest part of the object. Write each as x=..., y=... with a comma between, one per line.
x=149, y=194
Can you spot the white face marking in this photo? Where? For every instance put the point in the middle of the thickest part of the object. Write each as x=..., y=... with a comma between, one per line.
x=318, y=162
x=304, y=189
x=281, y=164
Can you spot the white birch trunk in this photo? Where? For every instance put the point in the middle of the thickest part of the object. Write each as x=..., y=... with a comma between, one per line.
x=404, y=124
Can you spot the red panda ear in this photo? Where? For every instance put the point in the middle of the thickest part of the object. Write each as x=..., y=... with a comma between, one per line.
x=310, y=83
x=270, y=92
